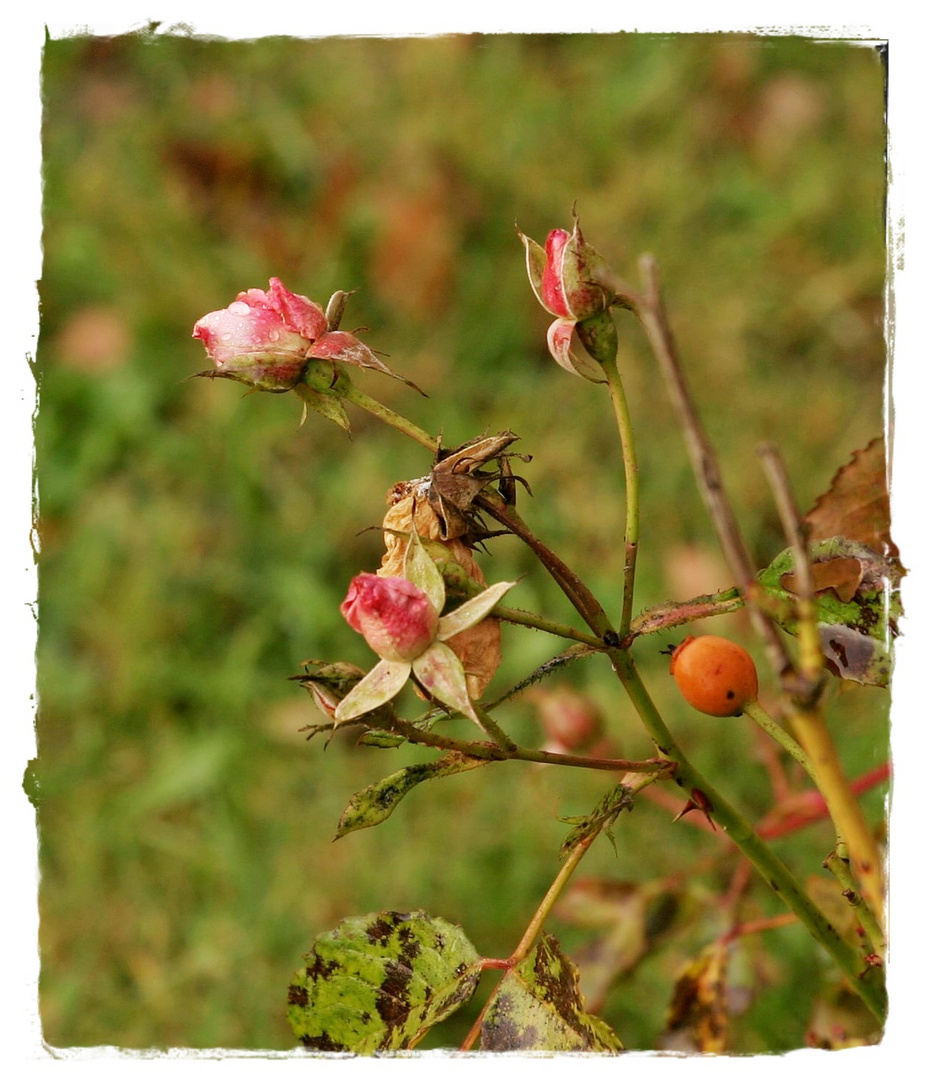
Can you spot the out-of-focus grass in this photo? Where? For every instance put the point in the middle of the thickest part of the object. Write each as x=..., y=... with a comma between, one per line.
x=196, y=543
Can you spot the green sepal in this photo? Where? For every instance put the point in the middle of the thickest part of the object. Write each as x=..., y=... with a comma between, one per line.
x=328, y=406
x=598, y=335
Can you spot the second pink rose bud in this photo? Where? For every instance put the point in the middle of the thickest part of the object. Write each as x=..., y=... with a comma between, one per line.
x=395, y=617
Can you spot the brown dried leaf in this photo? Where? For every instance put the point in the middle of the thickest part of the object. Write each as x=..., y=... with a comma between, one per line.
x=843, y=576
x=857, y=504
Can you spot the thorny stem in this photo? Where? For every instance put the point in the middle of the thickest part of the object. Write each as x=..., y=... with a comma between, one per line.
x=837, y=862
x=668, y=615
x=632, y=489
x=868, y=983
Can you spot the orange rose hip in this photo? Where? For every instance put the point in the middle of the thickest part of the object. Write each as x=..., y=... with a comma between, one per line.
x=715, y=676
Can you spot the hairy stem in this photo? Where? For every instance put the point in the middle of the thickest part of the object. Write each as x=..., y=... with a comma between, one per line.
x=496, y=752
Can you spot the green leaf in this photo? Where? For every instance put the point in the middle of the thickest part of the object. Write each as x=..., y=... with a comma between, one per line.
x=380, y=982
x=375, y=803
x=858, y=605
x=538, y=1006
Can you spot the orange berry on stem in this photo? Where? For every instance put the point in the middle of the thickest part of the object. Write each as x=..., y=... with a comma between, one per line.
x=716, y=676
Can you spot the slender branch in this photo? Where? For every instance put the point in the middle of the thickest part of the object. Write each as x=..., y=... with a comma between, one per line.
x=541, y=622
x=755, y=712
x=535, y=926
x=810, y=653
x=807, y=719
x=345, y=389
x=578, y=594
x=652, y=315
x=810, y=806
x=758, y=926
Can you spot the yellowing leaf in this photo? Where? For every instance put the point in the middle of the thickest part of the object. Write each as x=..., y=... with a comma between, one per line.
x=698, y=1015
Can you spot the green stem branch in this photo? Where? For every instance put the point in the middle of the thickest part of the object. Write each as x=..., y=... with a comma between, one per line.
x=344, y=388
x=632, y=489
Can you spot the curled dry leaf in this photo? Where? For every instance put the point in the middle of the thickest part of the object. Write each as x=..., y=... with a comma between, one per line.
x=857, y=503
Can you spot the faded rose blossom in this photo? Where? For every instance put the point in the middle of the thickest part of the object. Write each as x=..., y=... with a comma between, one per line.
x=396, y=618
x=263, y=338
x=400, y=620
x=267, y=339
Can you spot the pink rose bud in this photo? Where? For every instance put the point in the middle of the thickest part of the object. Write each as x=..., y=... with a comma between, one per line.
x=263, y=338
x=568, y=276
x=395, y=617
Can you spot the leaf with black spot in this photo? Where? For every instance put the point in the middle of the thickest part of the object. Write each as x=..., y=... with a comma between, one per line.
x=538, y=1006
x=380, y=982
x=375, y=803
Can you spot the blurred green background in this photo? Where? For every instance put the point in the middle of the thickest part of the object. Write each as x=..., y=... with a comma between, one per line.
x=196, y=542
